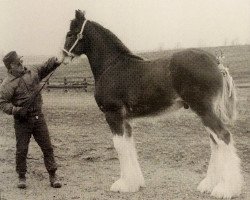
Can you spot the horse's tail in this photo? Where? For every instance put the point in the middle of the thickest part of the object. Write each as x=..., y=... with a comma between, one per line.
x=225, y=102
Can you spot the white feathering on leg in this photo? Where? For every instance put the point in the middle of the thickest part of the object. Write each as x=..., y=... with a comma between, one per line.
x=229, y=170
x=208, y=183
x=224, y=172
x=131, y=176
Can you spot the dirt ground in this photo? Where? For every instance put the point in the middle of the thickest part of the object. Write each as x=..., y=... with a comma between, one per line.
x=173, y=152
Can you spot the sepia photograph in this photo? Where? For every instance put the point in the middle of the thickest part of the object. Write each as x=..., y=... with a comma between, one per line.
x=124, y=99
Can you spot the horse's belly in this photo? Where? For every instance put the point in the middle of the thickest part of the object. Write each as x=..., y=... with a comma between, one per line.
x=152, y=107
x=155, y=109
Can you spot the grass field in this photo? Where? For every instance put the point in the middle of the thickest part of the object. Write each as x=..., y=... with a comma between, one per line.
x=173, y=149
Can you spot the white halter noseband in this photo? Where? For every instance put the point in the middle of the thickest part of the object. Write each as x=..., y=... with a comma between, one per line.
x=79, y=37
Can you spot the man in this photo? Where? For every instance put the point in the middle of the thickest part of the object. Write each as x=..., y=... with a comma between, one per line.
x=20, y=97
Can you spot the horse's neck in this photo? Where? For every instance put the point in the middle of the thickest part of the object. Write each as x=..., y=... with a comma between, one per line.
x=101, y=53
x=100, y=61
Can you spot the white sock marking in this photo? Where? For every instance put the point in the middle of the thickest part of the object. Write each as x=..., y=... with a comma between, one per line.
x=131, y=176
x=224, y=178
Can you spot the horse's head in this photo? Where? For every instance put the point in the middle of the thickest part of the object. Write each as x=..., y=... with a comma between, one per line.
x=76, y=43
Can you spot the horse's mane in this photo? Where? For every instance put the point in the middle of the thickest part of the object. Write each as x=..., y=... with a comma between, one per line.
x=115, y=41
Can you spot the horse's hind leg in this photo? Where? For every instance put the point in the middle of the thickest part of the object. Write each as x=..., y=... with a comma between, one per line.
x=224, y=178
x=131, y=176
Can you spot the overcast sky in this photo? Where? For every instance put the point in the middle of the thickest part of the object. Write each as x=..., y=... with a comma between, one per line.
x=38, y=27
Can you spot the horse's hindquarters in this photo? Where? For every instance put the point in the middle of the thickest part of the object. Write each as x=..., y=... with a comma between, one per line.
x=198, y=80
x=195, y=77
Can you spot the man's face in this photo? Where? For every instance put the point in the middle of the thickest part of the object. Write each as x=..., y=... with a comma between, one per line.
x=17, y=66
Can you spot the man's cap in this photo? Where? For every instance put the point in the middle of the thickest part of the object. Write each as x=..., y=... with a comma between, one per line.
x=10, y=58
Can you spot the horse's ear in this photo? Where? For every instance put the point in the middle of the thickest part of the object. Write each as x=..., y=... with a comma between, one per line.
x=80, y=14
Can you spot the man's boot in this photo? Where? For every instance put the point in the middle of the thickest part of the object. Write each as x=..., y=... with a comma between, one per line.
x=54, y=181
x=22, y=181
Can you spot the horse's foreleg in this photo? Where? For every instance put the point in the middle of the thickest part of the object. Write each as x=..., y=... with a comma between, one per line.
x=131, y=176
x=128, y=132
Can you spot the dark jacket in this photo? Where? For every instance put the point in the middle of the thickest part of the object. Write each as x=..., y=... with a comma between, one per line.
x=14, y=92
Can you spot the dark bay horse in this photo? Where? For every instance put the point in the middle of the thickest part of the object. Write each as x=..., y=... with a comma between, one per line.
x=127, y=86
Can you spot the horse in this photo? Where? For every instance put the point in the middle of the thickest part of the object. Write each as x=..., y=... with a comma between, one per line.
x=128, y=86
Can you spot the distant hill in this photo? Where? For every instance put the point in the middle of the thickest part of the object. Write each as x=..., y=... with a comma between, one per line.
x=237, y=58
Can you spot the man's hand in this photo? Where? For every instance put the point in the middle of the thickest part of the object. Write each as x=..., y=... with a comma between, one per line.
x=61, y=57
x=54, y=61
x=20, y=111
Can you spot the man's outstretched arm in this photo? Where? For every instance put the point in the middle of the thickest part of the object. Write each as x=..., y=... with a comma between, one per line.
x=50, y=65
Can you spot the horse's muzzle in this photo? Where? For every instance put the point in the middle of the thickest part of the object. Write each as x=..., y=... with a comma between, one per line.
x=67, y=53
x=67, y=56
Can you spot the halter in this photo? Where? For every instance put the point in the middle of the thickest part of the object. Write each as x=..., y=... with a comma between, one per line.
x=79, y=37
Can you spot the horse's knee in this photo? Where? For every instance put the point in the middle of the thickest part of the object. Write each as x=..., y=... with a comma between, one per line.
x=115, y=121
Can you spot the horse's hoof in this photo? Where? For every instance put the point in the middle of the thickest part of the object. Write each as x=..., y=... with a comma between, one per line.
x=222, y=190
x=205, y=186
x=121, y=186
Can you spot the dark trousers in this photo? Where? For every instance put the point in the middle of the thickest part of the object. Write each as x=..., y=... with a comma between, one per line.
x=34, y=125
